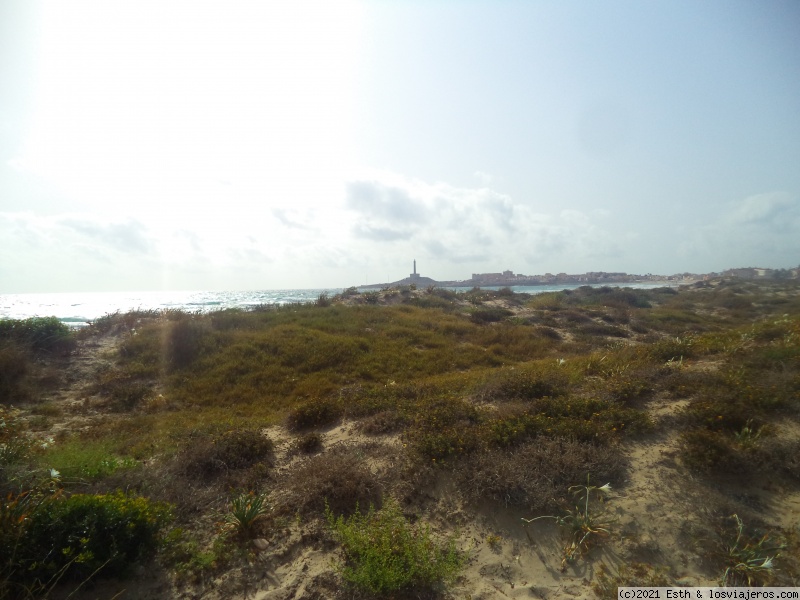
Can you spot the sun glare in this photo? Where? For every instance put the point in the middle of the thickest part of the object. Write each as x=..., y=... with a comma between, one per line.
x=151, y=106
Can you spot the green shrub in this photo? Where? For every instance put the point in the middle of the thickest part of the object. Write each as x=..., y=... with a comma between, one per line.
x=443, y=427
x=383, y=553
x=314, y=413
x=86, y=535
x=442, y=443
x=41, y=334
x=672, y=349
x=526, y=384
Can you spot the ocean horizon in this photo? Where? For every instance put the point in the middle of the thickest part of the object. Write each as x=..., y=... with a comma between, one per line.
x=78, y=309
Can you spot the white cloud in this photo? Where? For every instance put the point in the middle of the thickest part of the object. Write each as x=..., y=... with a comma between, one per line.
x=759, y=230
x=777, y=211
x=456, y=226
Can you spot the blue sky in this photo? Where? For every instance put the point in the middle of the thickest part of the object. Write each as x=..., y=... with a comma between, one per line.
x=253, y=145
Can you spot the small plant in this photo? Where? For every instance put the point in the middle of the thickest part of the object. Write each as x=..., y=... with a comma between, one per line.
x=748, y=437
x=582, y=526
x=494, y=541
x=246, y=511
x=384, y=553
x=749, y=562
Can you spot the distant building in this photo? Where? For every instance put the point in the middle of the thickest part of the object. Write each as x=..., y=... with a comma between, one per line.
x=414, y=276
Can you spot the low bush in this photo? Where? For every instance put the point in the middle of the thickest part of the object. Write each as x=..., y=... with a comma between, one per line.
x=314, y=413
x=384, y=554
x=323, y=300
x=371, y=297
x=122, y=388
x=85, y=535
x=309, y=443
x=527, y=383
x=675, y=348
x=537, y=474
x=443, y=428
x=339, y=477
x=549, y=333
x=40, y=334
x=210, y=454
x=585, y=418
x=16, y=445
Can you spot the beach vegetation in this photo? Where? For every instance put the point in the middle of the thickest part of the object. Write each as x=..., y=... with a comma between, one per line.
x=339, y=478
x=77, y=537
x=384, y=554
x=749, y=560
x=245, y=511
x=585, y=524
x=492, y=398
x=219, y=450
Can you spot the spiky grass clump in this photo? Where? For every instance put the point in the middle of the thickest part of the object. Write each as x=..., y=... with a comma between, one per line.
x=246, y=510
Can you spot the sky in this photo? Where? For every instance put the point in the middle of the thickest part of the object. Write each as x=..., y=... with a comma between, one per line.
x=148, y=145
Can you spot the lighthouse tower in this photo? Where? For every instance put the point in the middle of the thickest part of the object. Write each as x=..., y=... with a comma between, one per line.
x=414, y=276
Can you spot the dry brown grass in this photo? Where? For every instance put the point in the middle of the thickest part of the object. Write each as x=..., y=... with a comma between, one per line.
x=339, y=476
x=537, y=474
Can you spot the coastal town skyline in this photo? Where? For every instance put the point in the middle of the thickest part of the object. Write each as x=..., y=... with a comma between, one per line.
x=509, y=278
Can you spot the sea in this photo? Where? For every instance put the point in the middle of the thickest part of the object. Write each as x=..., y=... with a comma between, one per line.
x=78, y=309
